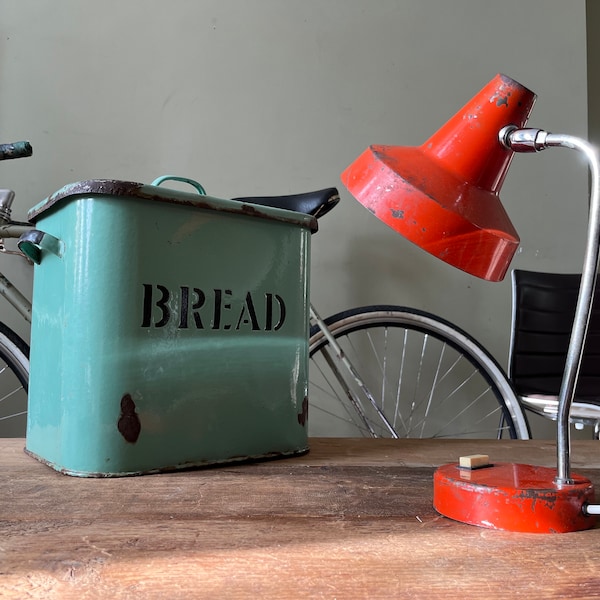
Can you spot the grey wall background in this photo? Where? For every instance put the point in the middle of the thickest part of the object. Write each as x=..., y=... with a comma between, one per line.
x=273, y=97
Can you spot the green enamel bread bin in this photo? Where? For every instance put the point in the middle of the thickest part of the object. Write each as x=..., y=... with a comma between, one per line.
x=169, y=330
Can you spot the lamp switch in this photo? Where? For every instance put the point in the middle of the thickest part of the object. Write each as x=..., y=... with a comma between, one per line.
x=474, y=461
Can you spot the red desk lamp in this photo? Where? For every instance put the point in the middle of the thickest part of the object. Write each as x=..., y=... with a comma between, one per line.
x=444, y=197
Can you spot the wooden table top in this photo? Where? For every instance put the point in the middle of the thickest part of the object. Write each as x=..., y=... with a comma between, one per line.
x=351, y=519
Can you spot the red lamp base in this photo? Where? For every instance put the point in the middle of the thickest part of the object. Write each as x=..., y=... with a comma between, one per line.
x=513, y=497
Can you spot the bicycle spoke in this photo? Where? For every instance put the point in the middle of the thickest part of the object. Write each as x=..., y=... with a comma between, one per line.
x=397, y=411
x=11, y=394
x=331, y=393
x=432, y=390
x=13, y=415
x=468, y=407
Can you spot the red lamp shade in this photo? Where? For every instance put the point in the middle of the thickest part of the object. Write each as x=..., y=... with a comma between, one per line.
x=444, y=195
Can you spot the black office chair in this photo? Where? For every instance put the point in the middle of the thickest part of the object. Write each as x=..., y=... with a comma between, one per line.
x=542, y=318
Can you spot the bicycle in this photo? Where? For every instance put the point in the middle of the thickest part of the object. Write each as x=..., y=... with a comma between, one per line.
x=445, y=383
x=14, y=351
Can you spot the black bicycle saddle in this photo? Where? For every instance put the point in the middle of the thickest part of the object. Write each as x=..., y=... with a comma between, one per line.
x=311, y=203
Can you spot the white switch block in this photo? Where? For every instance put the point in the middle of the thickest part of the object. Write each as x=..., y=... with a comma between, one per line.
x=474, y=461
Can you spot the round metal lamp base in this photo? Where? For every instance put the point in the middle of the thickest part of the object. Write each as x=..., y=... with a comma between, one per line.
x=513, y=497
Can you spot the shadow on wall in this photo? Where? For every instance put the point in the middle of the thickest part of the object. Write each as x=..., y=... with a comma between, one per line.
x=393, y=271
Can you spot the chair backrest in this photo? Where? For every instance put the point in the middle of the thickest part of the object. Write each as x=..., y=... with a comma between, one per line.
x=543, y=312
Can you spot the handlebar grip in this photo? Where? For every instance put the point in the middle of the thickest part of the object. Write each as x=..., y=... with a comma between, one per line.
x=15, y=150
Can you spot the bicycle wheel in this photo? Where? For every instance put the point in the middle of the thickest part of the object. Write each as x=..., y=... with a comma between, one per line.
x=14, y=378
x=427, y=378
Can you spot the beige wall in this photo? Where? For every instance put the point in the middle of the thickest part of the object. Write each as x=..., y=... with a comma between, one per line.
x=271, y=96
x=593, y=71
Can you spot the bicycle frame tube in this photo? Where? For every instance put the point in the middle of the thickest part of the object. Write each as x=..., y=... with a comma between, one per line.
x=21, y=304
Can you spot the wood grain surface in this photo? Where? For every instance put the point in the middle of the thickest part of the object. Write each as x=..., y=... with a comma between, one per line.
x=351, y=519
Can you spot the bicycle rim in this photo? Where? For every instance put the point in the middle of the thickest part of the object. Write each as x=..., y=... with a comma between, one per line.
x=427, y=378
x=14, y=377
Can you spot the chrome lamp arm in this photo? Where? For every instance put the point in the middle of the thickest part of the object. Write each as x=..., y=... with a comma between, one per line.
x=535, y=140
